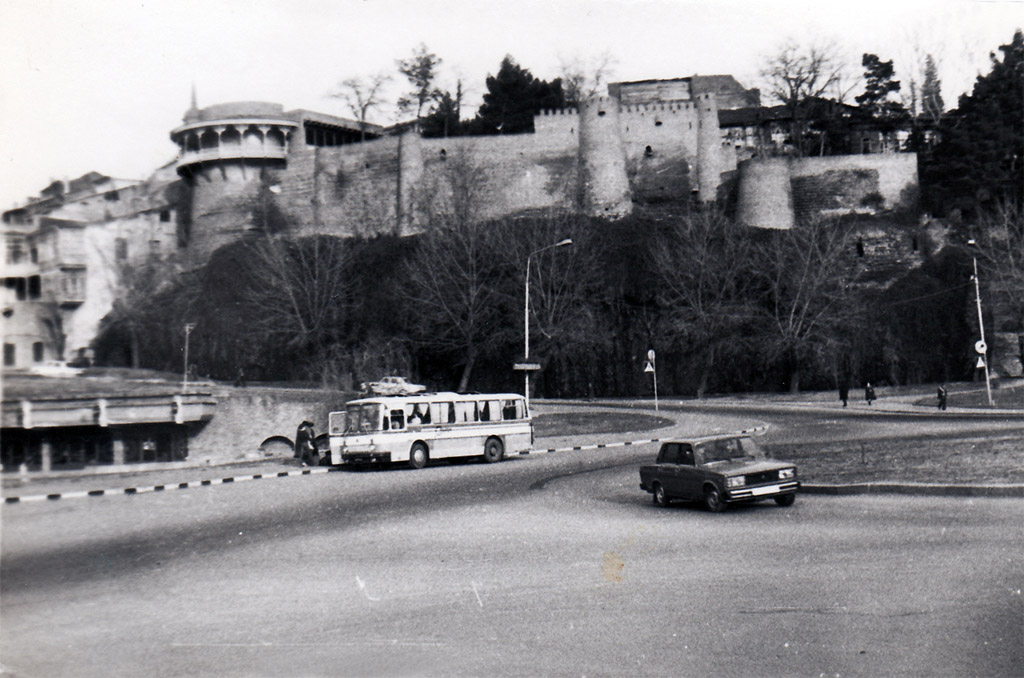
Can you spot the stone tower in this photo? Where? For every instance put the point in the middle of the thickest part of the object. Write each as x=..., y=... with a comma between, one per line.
x=604, y=187
x=223, y=154
x=765, y=194
x=410, y=173
x=709, y=144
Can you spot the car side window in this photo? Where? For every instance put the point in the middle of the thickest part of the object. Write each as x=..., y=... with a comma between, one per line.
x=670, y=454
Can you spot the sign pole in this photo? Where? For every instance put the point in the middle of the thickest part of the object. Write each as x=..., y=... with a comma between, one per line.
x=652, y=368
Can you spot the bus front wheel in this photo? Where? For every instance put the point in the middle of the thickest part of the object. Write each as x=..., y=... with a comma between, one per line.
x=494, y=450
x=418, y=456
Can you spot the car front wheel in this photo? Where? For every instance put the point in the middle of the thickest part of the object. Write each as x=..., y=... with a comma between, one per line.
x=785, y=499
x=660, y=498
x=713, y=500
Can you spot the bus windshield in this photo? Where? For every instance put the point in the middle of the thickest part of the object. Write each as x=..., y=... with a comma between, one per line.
x=363, y=418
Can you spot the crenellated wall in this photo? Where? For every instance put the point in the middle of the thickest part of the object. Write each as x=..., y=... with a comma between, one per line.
x=599, y=158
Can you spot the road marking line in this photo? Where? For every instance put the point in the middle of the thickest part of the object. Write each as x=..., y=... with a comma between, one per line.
x=227, y=480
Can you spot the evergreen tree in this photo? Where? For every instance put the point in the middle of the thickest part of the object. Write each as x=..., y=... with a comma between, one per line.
x=931, y=94
x=513, y=97
x=875, y=101
x=421, y=71
x=979, y=160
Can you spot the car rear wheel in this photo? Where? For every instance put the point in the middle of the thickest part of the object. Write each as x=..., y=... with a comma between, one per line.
x=785, y=499
x=713, y=499
x=418, y=456
x=494, y=450
x=660, y=498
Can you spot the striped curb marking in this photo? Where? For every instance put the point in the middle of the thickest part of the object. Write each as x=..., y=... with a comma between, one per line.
x=284, y=474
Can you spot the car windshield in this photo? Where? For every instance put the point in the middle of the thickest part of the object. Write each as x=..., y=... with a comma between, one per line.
x=725, y=450
x=362, y=418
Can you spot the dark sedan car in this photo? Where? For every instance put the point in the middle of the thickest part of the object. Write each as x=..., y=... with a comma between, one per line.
x=718, y=471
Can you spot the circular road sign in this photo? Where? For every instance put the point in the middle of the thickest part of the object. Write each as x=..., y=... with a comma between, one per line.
x=650, y=354
x=980, y=346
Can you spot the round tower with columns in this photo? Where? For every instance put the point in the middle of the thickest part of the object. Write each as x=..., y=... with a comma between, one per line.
x=224, y=152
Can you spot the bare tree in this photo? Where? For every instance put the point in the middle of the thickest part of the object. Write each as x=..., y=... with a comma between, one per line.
x=799, y=77
x=701, y=262
x=585, y=78
x=451, y=293
x=807, y=309
x=302, y=290
x=361, y=97
x=1000, y=250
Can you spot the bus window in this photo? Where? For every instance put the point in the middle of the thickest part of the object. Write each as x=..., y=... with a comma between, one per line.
x=363, y=418
x=451, y=411
x=397, y=420
x=508, y=410
x=493, y=410
x=481, y=408
x=420, y=415
x=465, y=412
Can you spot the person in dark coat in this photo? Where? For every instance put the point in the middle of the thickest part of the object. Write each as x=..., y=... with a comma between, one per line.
x=942, y=396
x=869, y=393
x=305, y=445
x=844, y=391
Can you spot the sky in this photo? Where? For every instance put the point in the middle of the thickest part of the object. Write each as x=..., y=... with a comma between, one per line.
x=98, y=85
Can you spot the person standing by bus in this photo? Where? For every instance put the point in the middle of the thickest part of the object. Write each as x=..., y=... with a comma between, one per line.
x=305, y=446
x=869, y=393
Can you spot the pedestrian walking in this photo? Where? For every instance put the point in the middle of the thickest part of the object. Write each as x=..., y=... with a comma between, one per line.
x=869, y=393
x=305, y=446
x=942, y=396
x=844, y=391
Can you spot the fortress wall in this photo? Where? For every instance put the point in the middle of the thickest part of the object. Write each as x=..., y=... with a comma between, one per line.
x=519, y=172
x=342, y=190
x=603, y=183
x=765, y=194
x=847, y=182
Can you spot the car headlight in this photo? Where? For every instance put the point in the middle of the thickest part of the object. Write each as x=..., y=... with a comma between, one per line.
x=736, y=481
x=786, y=473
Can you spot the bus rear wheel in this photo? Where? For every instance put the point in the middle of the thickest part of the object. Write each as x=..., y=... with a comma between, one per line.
x=494, y=450
x=418, y=456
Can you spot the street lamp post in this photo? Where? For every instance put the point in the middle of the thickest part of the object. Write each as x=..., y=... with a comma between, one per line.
x=526, y=317
x=184, y=378
x=981, y=345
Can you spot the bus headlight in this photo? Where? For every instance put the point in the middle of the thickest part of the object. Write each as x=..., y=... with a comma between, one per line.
x=736, y=481
x=786, y=473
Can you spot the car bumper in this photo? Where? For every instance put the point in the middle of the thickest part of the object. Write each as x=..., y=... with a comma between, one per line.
x=365, y=457
x=763, y=491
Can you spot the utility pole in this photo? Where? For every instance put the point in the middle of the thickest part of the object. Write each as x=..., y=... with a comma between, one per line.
x=981, y=347
x=184, y=379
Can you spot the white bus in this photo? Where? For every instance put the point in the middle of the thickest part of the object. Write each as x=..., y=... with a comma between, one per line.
x=417, y=428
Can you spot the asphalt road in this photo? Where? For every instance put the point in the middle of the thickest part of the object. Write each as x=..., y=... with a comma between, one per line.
x=547, y=565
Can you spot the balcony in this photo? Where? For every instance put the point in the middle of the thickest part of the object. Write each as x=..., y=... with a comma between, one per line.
x=205, y=155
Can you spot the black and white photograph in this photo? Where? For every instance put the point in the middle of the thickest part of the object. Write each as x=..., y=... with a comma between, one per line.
x=486, y=338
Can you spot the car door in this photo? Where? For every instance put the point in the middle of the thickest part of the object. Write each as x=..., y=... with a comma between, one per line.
x=668, y=469
x=688, y=475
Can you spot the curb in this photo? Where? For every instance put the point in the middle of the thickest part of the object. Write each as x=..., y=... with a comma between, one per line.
x=915, y=489
x=143, y=489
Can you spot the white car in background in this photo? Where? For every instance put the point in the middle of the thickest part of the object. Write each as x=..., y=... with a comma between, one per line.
x=392, y=386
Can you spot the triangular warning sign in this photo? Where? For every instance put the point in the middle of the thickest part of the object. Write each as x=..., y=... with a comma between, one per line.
x=981, y=362
x=648, y=367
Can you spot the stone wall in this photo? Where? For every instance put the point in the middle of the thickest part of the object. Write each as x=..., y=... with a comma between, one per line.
x=246, y=418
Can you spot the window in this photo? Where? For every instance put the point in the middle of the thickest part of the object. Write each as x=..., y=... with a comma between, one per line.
x=14, y=253
x=165, y=216
x=120, y=249
x=112, y=196
x=8, y=355
x=34, y=255
x=35, y=288
x=671, y=455
x=860, y=248
x=18, y=285
x=37, y=351
x=154, y=247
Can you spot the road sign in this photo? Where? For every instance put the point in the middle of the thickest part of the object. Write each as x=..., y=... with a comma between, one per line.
x=980, y=346
x=650, y=355
x=981, y=362
x=648, y=368
x=526, y=367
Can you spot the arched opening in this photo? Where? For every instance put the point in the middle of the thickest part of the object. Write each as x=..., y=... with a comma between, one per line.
x=648, y=152
x=208, y=140
x=277, y=446
x=275, y=138
x=252, y=138
x=230, y=137
x=860, y=248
